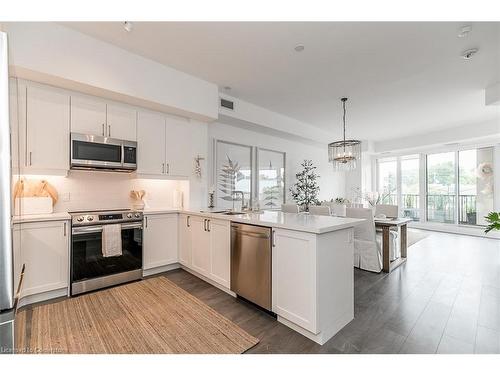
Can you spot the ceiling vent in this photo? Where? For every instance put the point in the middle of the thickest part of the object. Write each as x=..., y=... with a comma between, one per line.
x=227, y=104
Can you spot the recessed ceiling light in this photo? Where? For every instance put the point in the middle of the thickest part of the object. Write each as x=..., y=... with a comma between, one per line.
x=128, y=26
x=467, y=55
x=299, y=48
x=464, y=31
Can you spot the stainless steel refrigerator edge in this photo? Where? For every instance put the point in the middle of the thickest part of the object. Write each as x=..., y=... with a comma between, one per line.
x=7, y=297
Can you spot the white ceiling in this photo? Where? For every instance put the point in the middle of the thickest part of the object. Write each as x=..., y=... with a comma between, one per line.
x=401, y=78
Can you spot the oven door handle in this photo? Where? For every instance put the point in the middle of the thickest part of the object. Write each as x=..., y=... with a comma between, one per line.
x=82, y=230
x=132, y=226
x=99, y=228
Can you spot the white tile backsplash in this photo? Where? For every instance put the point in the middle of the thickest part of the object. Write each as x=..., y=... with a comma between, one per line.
x=84, y=190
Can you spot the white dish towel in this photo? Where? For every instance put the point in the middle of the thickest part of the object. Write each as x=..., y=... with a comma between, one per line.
x=112, y=240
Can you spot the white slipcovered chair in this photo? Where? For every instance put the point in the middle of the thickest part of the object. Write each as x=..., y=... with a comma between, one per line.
x=367, y=244
x=336, y=209
x=320, y=210
x=291, y=208
x=388, y=210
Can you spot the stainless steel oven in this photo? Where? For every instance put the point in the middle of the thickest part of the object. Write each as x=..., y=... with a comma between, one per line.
x=96, y=152
x=90, y=269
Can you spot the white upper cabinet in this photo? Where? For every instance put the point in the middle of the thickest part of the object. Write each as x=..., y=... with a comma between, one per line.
x=88, y=115
x=150, y=143
x=180, y=134
x=121, y=121
x=45, y=139
x=96, y=116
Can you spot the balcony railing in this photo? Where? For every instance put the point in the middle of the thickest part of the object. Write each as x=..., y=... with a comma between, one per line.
x=440, y=208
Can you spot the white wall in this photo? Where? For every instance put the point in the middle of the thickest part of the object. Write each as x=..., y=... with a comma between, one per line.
x=332, y=184
x=54, y=54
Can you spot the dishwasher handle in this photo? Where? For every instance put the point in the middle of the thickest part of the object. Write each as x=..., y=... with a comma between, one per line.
x=250, y=233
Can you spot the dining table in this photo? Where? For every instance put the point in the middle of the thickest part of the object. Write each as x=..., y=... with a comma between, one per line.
x=386, y=225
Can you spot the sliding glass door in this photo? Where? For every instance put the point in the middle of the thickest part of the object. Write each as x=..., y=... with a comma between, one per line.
x=410, y=186
x=475, y=184
x=441, y=187
x=387, y=180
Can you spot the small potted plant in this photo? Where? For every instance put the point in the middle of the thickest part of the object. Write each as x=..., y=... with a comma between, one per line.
x=493, y=220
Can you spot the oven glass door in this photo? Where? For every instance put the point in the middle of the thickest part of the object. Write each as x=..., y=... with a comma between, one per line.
x=94, y=153
x=87, y=261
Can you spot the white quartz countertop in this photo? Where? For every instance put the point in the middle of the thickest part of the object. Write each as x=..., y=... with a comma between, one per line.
x=40, y=217
x=302, y=222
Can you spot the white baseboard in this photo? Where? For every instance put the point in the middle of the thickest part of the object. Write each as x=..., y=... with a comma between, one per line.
x=206, y=279
x=155, y=270
x=455, y=229
x=41, y=297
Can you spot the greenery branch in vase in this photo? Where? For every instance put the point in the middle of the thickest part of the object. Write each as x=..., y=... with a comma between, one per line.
x=493, y=220
x=305, y=191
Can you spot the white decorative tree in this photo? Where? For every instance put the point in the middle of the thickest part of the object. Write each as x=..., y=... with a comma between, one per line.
x=305, y=191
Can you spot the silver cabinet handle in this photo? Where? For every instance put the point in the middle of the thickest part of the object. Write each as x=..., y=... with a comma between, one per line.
x=103, y=130
x=146, y=218
x=168, y=168
x=188, y=224
x=162, y=167
x=273, y=238
x=109, y=130
x=205, y=225
x=30, y=157
x=208, y=225
x=65, y=233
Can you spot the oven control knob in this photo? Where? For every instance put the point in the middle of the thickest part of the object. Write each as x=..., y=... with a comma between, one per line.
x=80, y=218
x=90, y=218
x=129, y=216
x=137, y=215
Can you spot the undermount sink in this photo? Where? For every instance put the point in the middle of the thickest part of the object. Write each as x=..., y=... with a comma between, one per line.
x=232, y=213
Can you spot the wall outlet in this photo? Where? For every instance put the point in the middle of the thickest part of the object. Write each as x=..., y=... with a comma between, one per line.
x=65, y=197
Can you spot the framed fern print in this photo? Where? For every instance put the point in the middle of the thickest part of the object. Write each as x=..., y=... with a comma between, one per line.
x=271, y=178
x=233, y=173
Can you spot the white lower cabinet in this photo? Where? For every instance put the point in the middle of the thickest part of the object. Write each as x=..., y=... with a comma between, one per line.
x=210, y=248
x=185, y=240
x=294, y=277
x=200, y=245
x=160, y=240
x=44, y=248
x=220, y=251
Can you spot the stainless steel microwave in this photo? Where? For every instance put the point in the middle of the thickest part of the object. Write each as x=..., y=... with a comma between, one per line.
x=102, y=153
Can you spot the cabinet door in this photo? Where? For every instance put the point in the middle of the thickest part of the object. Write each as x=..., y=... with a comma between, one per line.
x=47, y=127
x=160, y=240
x=220, y=251
x=179, y=156
x=185, y=240
x=150, y=143
x=88, y=115
x=121, y=121
x=294, y=277
x=44, y=248
x=200, y=246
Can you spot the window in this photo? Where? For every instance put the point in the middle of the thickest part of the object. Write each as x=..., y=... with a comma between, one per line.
x=441, y=187
x=475, y=184
x=454, y=187
x=271, y=182
x=235, y=170
x=387, y=180
x=410, y=187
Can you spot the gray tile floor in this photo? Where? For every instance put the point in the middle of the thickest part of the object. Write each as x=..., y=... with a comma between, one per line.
x=445, y=299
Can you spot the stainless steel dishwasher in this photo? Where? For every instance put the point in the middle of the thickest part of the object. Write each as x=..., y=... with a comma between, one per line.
x=251, y=263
